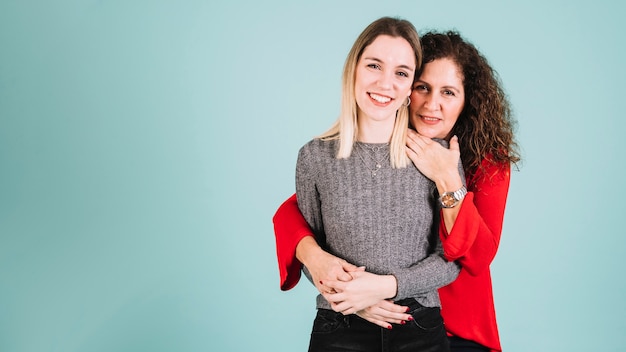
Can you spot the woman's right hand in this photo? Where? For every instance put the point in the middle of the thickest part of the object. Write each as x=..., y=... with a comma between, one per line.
x=323, y=265
x=439, y=164
x=385, y=313
x=329, y=267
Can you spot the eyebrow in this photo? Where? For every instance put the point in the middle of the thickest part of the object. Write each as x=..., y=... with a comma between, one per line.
x=381, y=61
x=445, y=87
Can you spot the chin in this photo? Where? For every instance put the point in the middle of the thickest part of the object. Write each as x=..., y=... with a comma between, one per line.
x=426, y=132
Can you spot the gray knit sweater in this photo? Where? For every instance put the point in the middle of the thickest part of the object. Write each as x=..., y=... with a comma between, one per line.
x=383, y=221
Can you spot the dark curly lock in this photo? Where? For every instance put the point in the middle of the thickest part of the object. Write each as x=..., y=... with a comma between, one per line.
x=485, y=126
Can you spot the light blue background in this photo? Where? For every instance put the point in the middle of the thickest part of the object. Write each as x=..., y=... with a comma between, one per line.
x=145, y=145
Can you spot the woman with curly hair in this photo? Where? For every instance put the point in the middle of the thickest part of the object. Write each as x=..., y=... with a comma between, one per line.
x=457, y=97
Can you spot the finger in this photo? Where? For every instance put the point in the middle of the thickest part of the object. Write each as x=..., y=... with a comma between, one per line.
x=370, y=315
x=334, y=284
x=344, y=276
x=346, y=266
x=412, y=155
x=382, y=324
x=421, y=143
x=326, y=290
x=396, y=317
x=392, y=307
x=454, y=143
x=335, y=298
x=412, y=139
x=349, y=311
x=342, y=307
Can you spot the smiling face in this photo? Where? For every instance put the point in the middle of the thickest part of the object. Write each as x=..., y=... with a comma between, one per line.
x=437, y=99
x=383, y=77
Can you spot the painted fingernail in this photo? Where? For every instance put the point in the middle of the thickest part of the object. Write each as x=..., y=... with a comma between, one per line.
x=388, y=327
x=321, y=283
x=403, y=322
x=410, y=318
x=407, y=309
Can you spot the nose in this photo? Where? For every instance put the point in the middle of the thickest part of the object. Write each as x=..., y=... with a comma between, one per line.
x=385, y=80
x=431, y=102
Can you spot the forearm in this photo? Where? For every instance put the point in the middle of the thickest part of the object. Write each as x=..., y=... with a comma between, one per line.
x=309, y=252
x=426, y=276
x=475, y=238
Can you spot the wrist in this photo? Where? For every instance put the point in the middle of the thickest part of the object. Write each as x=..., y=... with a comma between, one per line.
x=390, y=287
x=449, y=182
x=450, y=200
x=307, y=249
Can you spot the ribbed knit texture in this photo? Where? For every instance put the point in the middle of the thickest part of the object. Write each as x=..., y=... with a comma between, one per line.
x=383, y=222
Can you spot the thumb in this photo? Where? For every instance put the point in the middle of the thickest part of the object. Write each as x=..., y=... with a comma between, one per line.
x=348, y=267
x=454, y=143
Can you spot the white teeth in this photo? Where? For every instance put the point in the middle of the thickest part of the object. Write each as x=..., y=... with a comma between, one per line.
x=379, y=98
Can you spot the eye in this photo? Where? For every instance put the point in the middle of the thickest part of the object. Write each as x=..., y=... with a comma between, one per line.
x=420, y=88
x=402, y=74
x=448, y=92
x=374, y=66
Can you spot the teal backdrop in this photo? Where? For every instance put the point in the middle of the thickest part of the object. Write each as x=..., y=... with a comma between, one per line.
x=145, y=145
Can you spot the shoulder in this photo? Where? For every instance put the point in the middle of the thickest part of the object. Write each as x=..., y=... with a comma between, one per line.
x=491, y=172
x=318, y=148
x=314, y=157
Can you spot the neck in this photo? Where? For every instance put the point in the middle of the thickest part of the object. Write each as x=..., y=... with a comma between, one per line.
x=375, y=131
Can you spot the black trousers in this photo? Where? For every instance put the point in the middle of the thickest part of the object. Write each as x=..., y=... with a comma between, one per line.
x=458, y=344
x=334, y=331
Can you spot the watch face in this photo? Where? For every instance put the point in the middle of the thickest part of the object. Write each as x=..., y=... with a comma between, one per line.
x=448, y=200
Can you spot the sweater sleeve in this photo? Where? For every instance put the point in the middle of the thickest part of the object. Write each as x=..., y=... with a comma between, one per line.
x=290, y=228
x=475, y=236
x=431, y=273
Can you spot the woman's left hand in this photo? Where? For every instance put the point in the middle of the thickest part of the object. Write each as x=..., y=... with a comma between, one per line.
x=431, y=158
x=385, y=313
x=364, y=290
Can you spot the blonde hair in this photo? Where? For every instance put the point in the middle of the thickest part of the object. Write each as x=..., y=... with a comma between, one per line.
x=345, y=128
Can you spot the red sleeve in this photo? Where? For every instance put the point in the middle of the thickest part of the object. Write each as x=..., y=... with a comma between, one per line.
x=289, y=227
x=475, y=236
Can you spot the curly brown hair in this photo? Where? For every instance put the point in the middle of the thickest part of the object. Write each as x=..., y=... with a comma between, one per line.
x=485, y=126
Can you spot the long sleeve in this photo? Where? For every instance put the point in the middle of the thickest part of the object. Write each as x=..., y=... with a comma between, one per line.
x=290, y=228
x=384, y=223
x=429, y=274
x=475, y=236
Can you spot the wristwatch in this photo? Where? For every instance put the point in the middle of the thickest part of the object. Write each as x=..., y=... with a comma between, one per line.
x=452, y=199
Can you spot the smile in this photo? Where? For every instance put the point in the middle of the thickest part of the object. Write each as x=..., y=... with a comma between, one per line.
x=429, y=119
x=379, y=98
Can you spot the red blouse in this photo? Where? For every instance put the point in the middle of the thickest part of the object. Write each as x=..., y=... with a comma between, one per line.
x=467, y=303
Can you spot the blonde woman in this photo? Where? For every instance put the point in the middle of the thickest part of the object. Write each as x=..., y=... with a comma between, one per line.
x=367, y=204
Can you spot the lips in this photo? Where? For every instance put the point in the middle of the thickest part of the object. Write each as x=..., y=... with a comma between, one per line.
x=379, y=99
x=429, y=120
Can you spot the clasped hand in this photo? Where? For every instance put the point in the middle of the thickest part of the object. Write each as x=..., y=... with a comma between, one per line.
x=363, y=293
x=363, y=290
